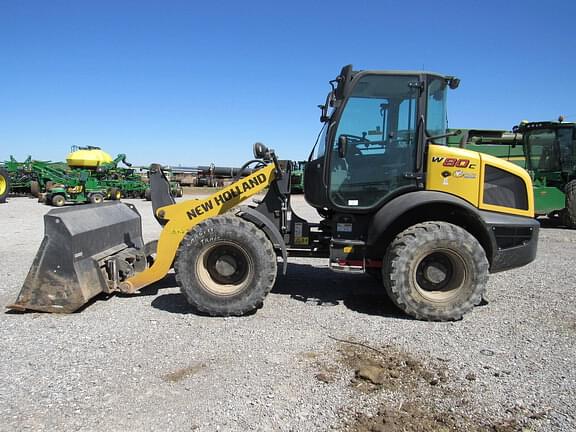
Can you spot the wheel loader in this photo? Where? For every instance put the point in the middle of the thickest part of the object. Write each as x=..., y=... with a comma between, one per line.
x=429, y=221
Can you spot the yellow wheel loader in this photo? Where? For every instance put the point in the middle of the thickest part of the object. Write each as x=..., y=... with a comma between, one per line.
x=431, y=222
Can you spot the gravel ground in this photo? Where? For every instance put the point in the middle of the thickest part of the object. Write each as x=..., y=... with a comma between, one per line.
x=326, y=352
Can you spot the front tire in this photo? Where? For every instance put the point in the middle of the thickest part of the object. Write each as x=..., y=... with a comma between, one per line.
x=225, y=266
x=96, y=198
x=435, y=271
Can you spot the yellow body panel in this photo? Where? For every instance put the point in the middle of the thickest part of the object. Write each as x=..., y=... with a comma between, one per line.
x=460, y=172
x=454, y=171
x=183, y=216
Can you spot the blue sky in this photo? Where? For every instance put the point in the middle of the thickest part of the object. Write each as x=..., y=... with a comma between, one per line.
x=190, y=83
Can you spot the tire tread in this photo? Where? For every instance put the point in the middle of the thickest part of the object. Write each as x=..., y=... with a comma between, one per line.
x=396, y=261
x=264, y=281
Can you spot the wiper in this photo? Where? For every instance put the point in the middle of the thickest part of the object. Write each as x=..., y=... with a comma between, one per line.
x=449, y=134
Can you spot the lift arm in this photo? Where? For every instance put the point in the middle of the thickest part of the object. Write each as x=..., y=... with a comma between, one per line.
x=179, y=218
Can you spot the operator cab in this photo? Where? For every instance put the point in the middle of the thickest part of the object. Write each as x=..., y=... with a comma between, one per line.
x=550, y=148
x=373, y=142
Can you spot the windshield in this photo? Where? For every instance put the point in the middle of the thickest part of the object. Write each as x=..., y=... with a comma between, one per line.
x=436, y=108
x=543, y=155
x=378, y=124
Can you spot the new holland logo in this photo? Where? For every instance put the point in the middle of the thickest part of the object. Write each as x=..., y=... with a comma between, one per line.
x=225, y=196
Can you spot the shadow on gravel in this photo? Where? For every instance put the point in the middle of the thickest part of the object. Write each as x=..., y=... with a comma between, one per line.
x=177, y=304
x=173, y=303
x=304, y=283
x=323, y=287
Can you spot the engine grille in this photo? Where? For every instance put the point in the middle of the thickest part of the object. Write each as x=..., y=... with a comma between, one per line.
x=508, y=237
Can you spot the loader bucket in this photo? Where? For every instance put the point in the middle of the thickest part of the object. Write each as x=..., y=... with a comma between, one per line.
x=71, y=265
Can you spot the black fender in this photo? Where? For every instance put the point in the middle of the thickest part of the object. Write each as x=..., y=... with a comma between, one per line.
x=401, y=212
x=261, y=221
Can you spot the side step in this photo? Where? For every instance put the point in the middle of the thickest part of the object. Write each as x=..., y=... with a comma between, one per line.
x=347, y=256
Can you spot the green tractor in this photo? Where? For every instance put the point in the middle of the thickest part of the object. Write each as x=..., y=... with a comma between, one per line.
x=550, y=152
x=547, y=150
x=80, y=188
x=297, y=176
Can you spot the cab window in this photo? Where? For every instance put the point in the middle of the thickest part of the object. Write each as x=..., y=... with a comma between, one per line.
x=378, y=126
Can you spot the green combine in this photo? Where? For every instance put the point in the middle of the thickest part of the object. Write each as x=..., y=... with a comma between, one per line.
x=550, y=151
x=547, y=150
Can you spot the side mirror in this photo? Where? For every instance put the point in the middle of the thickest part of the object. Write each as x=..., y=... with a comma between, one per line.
x=342, y=146
x=260, y=151
x=324, y=117
x=454, y=83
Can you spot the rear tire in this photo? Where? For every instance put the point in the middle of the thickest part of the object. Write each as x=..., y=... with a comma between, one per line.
x=96, y=198
x=225, y=266
x=148, y=195
x=58, y=200
x=569, y=214
x=35, y=188
x=435, y=271
x=115, y=194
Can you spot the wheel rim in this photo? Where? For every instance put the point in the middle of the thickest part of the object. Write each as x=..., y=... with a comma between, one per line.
x=3, y=184
x=439, y=275
x=224, y=269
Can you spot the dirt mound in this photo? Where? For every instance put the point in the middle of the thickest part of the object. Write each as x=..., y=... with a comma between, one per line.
x=429, y=398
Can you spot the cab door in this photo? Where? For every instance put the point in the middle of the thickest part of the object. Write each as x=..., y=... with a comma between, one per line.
x=374, y=145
